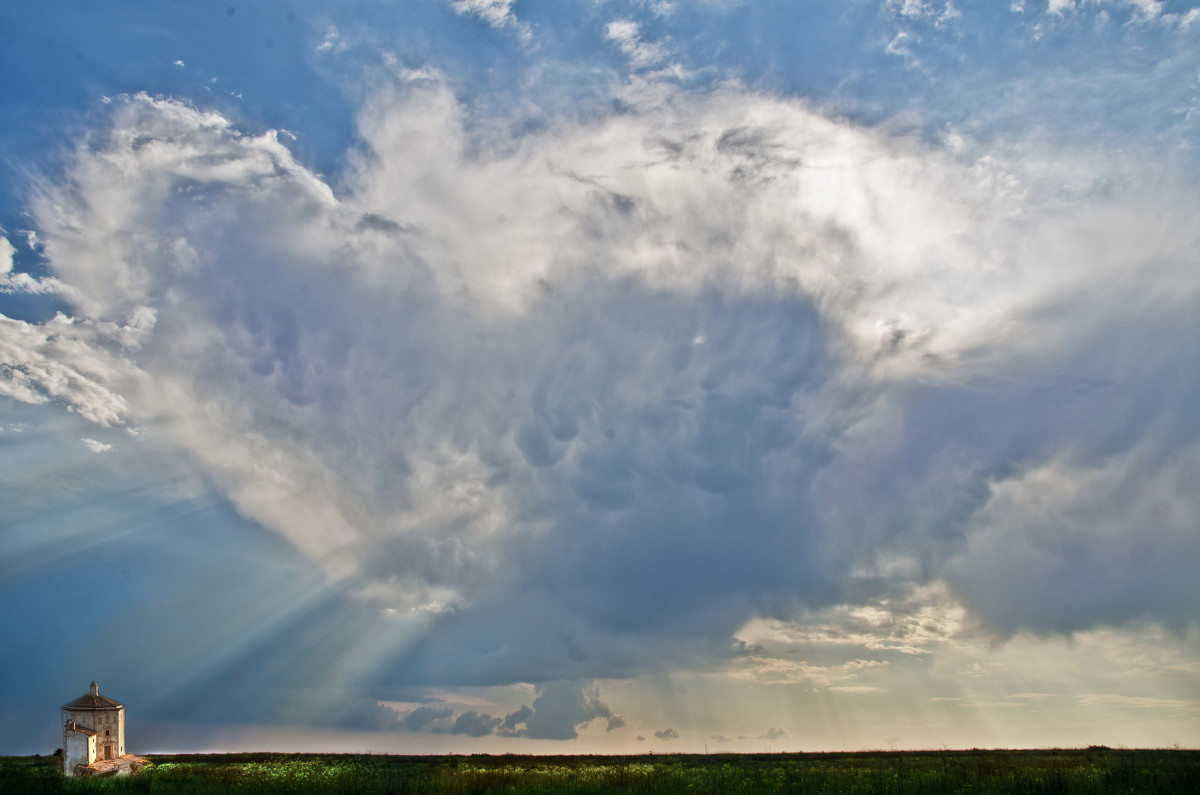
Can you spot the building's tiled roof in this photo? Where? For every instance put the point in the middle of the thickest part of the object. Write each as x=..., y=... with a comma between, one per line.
x=93, y=701
x=82, y=730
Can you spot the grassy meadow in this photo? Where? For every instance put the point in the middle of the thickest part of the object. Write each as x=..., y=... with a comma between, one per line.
x=1092, y=770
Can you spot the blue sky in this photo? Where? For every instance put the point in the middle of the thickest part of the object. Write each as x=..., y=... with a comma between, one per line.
x=486, y=375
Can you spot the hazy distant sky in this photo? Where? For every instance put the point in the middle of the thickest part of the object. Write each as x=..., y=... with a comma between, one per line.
x=601, y=376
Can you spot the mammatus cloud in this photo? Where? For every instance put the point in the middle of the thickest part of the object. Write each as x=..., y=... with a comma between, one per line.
x=587, y=403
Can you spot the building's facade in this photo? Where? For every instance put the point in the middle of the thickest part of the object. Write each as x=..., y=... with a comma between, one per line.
x=93, y=729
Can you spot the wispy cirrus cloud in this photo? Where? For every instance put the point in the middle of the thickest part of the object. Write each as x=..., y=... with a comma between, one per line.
x=97, y=446
x=68, y=361
x=626, y=35
x=495, y=13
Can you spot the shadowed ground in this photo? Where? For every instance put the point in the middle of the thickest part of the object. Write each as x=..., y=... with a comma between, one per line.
x=1091, y=770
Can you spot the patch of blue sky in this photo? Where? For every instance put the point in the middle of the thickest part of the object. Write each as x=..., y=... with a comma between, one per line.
x=31, y=307
x=306, y=66
x=62, y=59
x=123, y=543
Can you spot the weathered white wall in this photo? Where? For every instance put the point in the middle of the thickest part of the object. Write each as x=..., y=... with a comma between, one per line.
x=78, y=749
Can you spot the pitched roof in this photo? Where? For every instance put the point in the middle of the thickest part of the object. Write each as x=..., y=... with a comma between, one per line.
x=93, y=701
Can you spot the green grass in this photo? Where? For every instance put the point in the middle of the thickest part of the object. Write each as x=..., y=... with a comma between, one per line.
x=1092, y=770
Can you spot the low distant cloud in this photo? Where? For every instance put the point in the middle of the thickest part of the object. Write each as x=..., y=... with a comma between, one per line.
x=421, y=717
x=363, y=712
x=475, y=724
x=97, y=447
x=559, y=710
x=667, y=734
x=512, y=722
x=770, y=734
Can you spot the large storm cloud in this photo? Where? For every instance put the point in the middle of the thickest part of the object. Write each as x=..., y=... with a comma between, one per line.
x=581, y=402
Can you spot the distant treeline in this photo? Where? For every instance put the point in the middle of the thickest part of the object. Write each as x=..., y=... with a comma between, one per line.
x=1091, y=770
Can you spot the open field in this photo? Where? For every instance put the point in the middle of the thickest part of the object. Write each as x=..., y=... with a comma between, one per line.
x=1092, y=770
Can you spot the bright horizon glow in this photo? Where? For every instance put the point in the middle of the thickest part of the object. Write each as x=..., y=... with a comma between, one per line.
x=602, y=377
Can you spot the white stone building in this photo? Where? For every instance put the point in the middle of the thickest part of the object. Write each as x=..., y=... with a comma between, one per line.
x=93, y=730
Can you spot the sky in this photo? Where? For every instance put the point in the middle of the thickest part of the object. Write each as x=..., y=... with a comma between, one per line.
x=601, y=376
